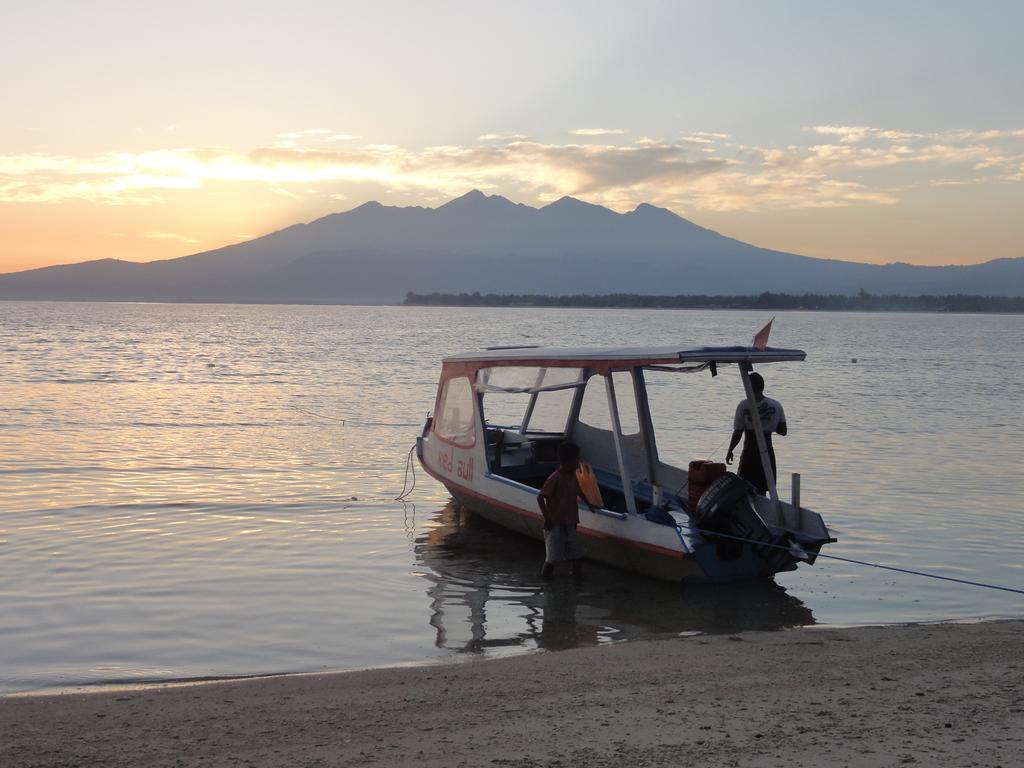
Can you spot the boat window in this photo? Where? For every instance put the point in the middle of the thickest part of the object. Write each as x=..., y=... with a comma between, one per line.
x=508, y=389
x=594, y=410
x=551, y=411
x=455, y=420
x=527, y=378
x=692, y=415
x=505, y=409
x=626, y=399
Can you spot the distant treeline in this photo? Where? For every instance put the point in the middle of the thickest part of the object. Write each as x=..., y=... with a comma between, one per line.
x=863, y=301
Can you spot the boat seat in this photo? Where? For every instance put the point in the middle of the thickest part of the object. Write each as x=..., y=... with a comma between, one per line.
x=508, y=448
x=533, y=475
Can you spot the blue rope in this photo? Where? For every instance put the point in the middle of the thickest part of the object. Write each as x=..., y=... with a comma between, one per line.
x=680, y=526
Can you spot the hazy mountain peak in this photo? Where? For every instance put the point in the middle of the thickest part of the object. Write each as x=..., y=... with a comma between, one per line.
x=481, y=242
x=567, y=203
x=480, y=205
x=646, y=209
x=472, y=198
x=369, y=205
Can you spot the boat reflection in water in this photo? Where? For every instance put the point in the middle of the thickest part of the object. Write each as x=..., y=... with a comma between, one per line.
x=486, y=595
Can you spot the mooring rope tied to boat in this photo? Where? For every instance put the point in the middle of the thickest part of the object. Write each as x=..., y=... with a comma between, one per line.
x=354, y=423
x=409, y=464
x=789, y=548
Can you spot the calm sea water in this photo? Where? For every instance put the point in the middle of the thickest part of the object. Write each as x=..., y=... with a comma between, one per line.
x=191, y=491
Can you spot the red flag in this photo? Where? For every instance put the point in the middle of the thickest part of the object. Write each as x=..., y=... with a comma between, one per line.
x=761, y=339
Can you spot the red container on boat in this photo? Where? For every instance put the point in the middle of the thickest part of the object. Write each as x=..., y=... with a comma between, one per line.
x=701, y=475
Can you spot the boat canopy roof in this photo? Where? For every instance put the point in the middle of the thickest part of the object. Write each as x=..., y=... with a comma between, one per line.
x=617, y=358
x=620, y=358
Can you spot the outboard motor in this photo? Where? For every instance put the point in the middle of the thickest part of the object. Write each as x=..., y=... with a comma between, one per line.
x=727, y=507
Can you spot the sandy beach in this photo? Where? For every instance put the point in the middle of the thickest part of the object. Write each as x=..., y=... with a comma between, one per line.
x=947, y=694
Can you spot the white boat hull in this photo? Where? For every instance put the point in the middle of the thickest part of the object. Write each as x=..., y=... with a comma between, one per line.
x=631, y=542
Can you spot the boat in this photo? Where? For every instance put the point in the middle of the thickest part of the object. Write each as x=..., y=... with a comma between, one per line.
x=501, y=413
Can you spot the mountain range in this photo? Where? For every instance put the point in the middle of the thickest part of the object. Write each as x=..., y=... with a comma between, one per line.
x=374, y=254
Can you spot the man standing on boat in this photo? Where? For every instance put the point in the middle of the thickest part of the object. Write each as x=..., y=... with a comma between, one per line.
x=772, y=419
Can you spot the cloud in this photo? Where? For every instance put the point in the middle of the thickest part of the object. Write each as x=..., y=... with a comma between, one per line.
x=597, y=131
x=704, y=137
x=113, y=179
x=951, y=182
x=841, y=166
x=169, y=236
x=501, y=137
x=964, y=135
x=602, y=173
x=848, y=134
x=314, y=135
x=853, y=134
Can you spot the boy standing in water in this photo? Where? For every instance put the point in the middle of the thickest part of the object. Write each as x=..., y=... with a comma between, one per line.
x=559, y=501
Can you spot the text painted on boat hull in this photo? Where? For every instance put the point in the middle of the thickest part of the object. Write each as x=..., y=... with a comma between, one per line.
x=462, y=468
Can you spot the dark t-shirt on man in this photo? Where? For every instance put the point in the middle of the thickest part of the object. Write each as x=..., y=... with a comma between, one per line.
x=561, y=491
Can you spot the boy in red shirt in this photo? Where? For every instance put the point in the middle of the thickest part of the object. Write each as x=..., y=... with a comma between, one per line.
x=559, y=501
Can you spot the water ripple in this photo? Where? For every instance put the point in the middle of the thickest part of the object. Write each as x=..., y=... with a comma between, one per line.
x=207, y=490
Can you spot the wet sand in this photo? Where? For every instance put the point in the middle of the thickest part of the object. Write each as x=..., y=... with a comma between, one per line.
x=949, y=695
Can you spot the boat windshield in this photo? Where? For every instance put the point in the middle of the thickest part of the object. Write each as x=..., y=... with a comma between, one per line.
x=531, y=398
x=527, y=379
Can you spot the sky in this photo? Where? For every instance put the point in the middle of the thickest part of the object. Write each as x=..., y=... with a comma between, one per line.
x=867, y=131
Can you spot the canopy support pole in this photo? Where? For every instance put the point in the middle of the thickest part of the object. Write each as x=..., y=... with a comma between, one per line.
x=762, y=444
x=574, y=409
x=529, y=414
x=613, y=409
x=643, y=410
x=533, y=400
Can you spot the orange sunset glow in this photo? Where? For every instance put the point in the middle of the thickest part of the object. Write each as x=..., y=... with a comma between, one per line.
x=201, y=138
